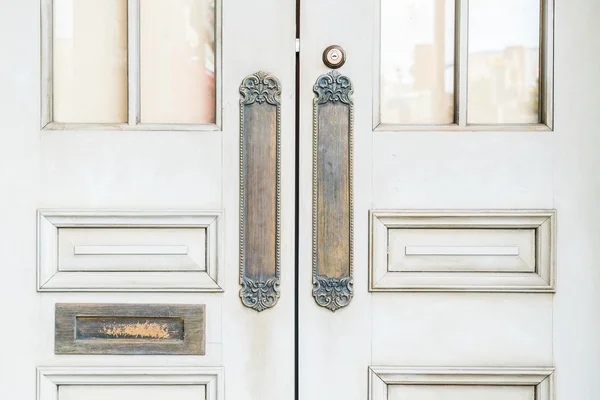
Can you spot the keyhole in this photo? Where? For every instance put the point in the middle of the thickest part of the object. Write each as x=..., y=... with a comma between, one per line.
x=334, y=56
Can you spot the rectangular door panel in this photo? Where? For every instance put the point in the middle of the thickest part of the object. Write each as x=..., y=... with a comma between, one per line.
x=70, y=383
x=399, y=383
x=115, y=249
x=130, y=250
x=399, y=392
x=485, y=251
x=180, y=392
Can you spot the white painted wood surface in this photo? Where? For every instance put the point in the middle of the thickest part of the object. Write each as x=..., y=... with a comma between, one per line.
x=131, y=249
x=87, y=167
x=448, y=392
x=136, y=169
x=460, y=168
x=64, y=235
x=446, y=253
x=448, y=265
x=70, y=383
x=124, y=250
x=449, y=383
x=461, y=251
x=154, y=392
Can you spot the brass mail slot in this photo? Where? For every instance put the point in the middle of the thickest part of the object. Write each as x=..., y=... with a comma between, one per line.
x=130, y=329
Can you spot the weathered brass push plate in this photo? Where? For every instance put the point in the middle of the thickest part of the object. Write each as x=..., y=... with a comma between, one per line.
x=332, y=226
x=260, y=190
x=130, y=329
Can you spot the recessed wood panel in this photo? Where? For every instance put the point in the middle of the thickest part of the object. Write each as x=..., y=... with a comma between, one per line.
x=506, y=251
x=461, y=250
x=131, y=392
x=104, y=250
x=447, y=392
x=475, y=383
x=131, y=249
x=128, y=383
x=130, y=329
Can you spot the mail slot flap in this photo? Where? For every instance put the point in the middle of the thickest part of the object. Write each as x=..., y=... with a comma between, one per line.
x=462, y=250
x=132, y=249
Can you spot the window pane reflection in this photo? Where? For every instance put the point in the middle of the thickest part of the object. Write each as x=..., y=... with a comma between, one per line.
x=177, y=61
x=89, y=61
x=417, y=61
x=504, y=66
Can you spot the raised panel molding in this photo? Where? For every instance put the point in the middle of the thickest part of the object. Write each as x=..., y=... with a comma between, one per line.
x=50, y=378
x=481, y=251
x=208, y=277
x=539, y=379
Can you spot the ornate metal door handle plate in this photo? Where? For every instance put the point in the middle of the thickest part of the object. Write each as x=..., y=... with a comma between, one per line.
x=260, y=190
x=332, y=252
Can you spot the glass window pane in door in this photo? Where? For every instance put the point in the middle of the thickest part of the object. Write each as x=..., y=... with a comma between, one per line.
x=504, y=62
x=177, y=61
x=89, y=50
x=417, y=61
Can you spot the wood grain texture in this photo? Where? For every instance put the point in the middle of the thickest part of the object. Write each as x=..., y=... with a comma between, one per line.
x=260, y=188
x=157, y=328
x=333, y=191
x=130, y=329
x=333, y=123
x=260, y=167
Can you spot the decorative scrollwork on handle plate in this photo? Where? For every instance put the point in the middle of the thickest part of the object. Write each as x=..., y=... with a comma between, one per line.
x=332, y=293
x=260, y=295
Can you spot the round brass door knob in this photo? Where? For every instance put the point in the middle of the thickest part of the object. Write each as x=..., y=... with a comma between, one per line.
x=334, y=56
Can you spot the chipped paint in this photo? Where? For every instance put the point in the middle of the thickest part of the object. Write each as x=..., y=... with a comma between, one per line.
x=143, y=330
x=130, y=329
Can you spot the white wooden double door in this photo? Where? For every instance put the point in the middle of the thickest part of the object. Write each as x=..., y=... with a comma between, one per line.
x=473, y=247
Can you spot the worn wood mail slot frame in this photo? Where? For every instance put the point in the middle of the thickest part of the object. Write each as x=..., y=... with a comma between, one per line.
x=539, y=276
x=130, y=329
x=51, y=277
